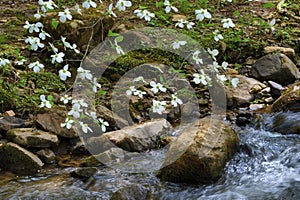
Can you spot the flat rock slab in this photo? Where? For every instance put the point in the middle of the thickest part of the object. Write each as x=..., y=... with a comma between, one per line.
x=19, y=160
x=31, y=137
x=9, y=122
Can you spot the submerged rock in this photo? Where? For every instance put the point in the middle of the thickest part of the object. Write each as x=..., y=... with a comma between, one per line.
x=31, y=137
x=19, y=160
x=275, y=67
x=200, y=153
x=132, y=192
x=84, y=173
x=285, y=123
x=289, y=100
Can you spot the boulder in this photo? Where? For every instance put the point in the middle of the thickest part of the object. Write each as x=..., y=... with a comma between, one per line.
x=19, y=160
x=9, y=122
x=51, y=121
x=244, y=93
x=200, y=153
x=289, y=100
x=31, y=137
x=275, y=67
x=81, y=28
x=132, y=192
x=47, y=156
x=136, y=138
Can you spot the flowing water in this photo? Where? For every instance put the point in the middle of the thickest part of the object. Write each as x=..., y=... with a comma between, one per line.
x=266, y=167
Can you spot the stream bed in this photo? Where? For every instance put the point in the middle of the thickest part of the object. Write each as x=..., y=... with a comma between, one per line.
x=267, y=166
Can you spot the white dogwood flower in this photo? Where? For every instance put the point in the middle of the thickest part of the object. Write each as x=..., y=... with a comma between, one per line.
x=58, y=57
x=156, y=87
x=64, y=73
x=103, y=124
x=122, y=4
x=63, y=16
x=202, y=14
x=169, y=7
x=88, y=3
x=158, y=106
x=44, y=102
x=68, y=123
x=84, y=74
x=177, y=44
x=36, y=66
x=227, y=23
x=175, y=100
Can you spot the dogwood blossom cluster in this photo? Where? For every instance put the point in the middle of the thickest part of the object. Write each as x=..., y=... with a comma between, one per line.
x=156, y=87
x=39, y=39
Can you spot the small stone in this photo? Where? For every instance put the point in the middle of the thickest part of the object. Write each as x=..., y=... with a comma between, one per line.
x=232, y=71
x=47, y=156
x=276, y=88
x=254, y=107
x=269, y=100
x=177, y=17
x=132, y=192
x=9, y=113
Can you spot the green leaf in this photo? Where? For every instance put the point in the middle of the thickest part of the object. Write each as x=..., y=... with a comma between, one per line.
x=101, y=92
x=236, y=13
x=119, y=39
x=159, y=4
x=268, y=5
x=112, y=34
x=54, y=23
x=143, y=7
x=50, y=98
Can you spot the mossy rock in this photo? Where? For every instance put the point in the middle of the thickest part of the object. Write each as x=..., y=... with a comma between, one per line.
x=19, y=160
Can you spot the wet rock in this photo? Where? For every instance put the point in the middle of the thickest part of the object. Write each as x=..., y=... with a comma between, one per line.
x=289, y=100
x=90, y=161
x=140, y=137
x=243, y=119
x=276, y=88
x=275, y=49
x=113, y=119
x=31, y=137
x=244, y=93
x=84, y=173
x=77, y=146
x=51, y=121
x=200, y=153
x=132, y=192
x=47, y=156
x=9, y=122
x=272, y=67
x=19, y=160
x=285, y=123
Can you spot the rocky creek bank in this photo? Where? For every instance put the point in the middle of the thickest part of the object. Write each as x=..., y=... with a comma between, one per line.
x=272, y=86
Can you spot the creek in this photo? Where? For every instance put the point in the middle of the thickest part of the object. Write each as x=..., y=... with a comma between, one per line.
x=267, y=166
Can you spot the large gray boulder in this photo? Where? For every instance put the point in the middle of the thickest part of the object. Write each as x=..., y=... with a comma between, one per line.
x=31, y=137
x=245, y=91
x=19, y=160
x=200, y=153
x=275, y=67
